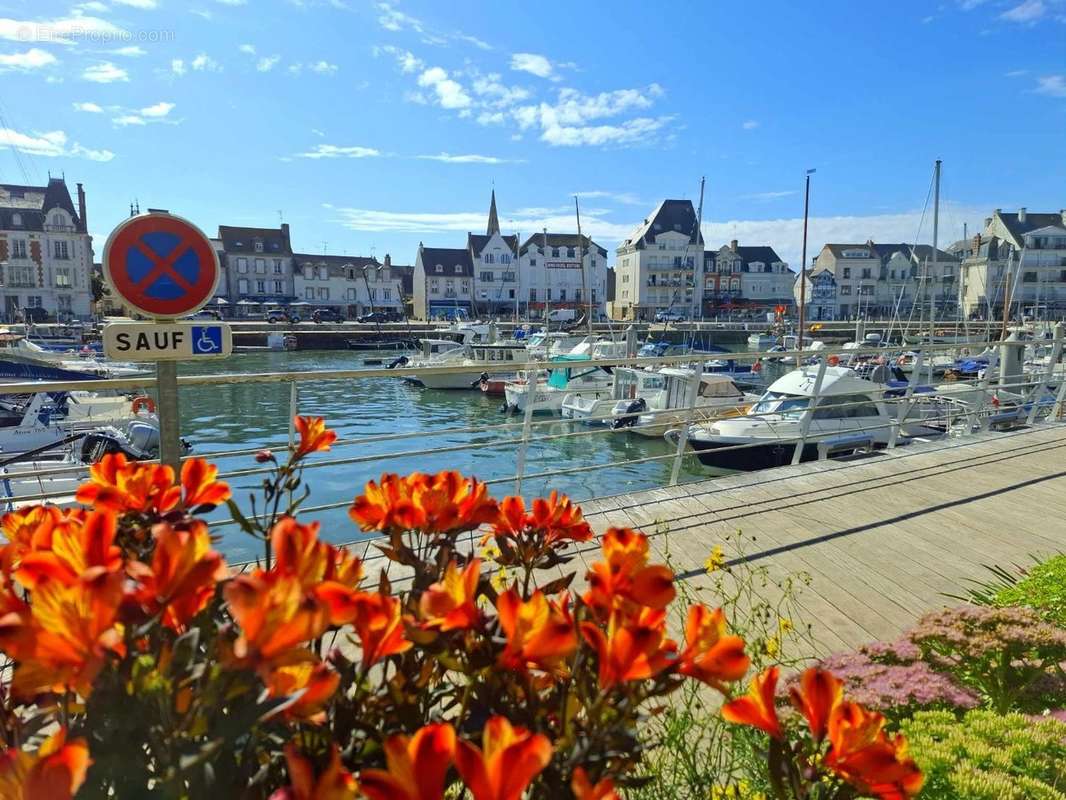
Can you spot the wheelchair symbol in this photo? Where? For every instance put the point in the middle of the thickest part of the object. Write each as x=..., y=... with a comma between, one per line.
x=207, y=340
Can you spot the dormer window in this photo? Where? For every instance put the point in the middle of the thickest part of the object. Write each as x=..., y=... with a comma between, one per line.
x=458, y=269
x=16, y=220
x=258, y=245
x=440, y=268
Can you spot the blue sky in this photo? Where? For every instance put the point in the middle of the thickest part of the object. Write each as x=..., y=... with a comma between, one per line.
x=379, y=125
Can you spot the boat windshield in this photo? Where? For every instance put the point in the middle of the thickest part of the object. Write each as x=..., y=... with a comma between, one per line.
x=780, y=403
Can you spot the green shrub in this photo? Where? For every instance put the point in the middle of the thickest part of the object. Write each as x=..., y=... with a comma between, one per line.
x=987, y=756
x=1043, y=590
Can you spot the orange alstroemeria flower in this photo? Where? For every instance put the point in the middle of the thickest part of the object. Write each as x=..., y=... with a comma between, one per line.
x=55, y=772
x=275, y=614
x=863, y=755
x=30, y=528
x=624, y=577
x=540, y=632
x=117, y=484
x=451, y=604
x=442, y=503
x=633, y=650
x=72, y=629
x=710, y=655
x=378, y=624
x=198, y=484
x=756, y=708
x=556, y=519
x=506, y=763
x=336, y=783
x=182, y=577
x=312, y=681
x=417, y=766
x=817, y=697
x=314, y=438
x=79, y=550
x=584, y=789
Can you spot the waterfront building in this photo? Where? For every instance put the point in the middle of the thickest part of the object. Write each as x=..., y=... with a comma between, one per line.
x=821, y=295
x=879, y=280
x=46, y=252
x=495, y=262
x=754, y=278
x=1022, y=251
x=257, y=268
x=353, y=285
x=552, y=276
x=443, y=282
x=660, y=264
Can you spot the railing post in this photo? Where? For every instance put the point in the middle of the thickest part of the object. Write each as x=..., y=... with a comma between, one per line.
x=808, y=414
x=1039, y=389
x=294, y=409
x=1060, y=401
x=166, y=373
x=682, y=439
x=980, y=410
x=532, y=377
x=904, y=406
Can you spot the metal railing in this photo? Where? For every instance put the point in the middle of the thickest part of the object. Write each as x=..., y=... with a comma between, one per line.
x=1029, y=400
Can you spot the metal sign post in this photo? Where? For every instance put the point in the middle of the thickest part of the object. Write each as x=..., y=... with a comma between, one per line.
x=166, y=268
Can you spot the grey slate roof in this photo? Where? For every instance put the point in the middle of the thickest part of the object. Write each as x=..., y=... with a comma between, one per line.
x=562, y=240
x=671, y=215
x=762, y=253
x=477, y=241
x=919, y=252
x=33, y=203
x=1032, y=222
x=242, y=240
x=450, y=258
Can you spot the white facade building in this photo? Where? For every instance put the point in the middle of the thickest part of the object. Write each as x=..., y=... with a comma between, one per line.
x=256, y=267
x=660, y=264
x=352, y=284
x=752, y=277
x=552, y=276
x=443, y=282
x=46, y=253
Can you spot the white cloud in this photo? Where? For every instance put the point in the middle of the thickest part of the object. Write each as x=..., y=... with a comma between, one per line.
x=317, y=132
x=323, y=67
x=566, y=122
x=204, y=63
x=177, y=66
x=34, y=58
x=496, y=93
x=91, y=108
x=337, y=151
x=105, y=72
x=1052, y=85
x=628, y=198
x=750, y=125
x=407, y=61
x=203, y=13
x=450, y=93
x=532, y=63
x=478, y=43
x=770, y=195
x=64, y=30
x=145, y=4
x=133, y=51
x=471, y=158
x=159, y=110
x=1026, y=12
x=51, y=144
x=247, y=48
x=232, y=2
x=126, y=120
x=93, y=5
x=392, y=19
x=267, y=63
x=1016, y=73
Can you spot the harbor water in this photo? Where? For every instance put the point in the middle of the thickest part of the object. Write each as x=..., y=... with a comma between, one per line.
x=245, y=415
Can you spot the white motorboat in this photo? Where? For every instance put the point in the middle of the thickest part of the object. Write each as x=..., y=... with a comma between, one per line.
x=761, y=341
x=473, y=358
x=544, y=345
x=566, y=375
x=629, y=384
x=19, y=348
x=653, y=414
x=849, y=409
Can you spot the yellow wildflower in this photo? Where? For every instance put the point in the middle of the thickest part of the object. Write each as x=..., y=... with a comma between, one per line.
x=784, y=624
x=715, y=561
x=772, y=646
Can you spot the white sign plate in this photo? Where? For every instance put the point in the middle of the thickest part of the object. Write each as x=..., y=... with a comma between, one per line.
x=169, y=341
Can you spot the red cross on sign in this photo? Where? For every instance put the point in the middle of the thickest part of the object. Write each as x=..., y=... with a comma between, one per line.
x=161, y=265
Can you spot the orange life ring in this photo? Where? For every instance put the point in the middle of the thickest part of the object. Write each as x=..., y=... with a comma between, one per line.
x=834, y=360
x=143, y=401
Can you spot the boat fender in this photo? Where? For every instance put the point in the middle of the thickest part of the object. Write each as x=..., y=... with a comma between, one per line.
x=143, y=401
x=834, y=360
x=399, y=361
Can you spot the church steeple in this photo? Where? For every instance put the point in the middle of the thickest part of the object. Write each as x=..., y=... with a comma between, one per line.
x=494, y=221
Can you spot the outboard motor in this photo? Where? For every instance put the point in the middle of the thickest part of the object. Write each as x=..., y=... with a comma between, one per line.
x=632, y=412
x=399, y=361
x=898, y=373
x=143, y=436
x=481, y=381
x=102, y=442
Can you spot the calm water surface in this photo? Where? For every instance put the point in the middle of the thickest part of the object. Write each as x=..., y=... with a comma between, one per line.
x=239, y=416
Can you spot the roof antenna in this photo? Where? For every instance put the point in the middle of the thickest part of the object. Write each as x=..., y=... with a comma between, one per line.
x=281, y=217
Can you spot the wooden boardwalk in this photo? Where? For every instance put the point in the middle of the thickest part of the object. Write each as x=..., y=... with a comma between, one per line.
x=882, y=538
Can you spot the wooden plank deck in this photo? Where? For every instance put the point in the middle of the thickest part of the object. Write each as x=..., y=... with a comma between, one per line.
x=882, y=538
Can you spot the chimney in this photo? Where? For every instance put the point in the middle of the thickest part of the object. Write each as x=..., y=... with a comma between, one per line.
x=988, y=221
x=977, y=243
x=388, y=260
x=1021, y=214
x=733, y=245
x=83, y=224
x=1062, y=213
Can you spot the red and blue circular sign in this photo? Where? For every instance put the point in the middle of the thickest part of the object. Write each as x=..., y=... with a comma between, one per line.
x=161, y=265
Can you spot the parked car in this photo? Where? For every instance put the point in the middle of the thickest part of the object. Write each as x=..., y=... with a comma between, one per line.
x=326, y=315
x=205, y=313
x=275, y=315
x=670, y=316
x=381, y=316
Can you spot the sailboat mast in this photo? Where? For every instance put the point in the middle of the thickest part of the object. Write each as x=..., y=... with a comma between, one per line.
x=586, y=280
x=697, y=267
x=803, y=262
x=929, y=283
